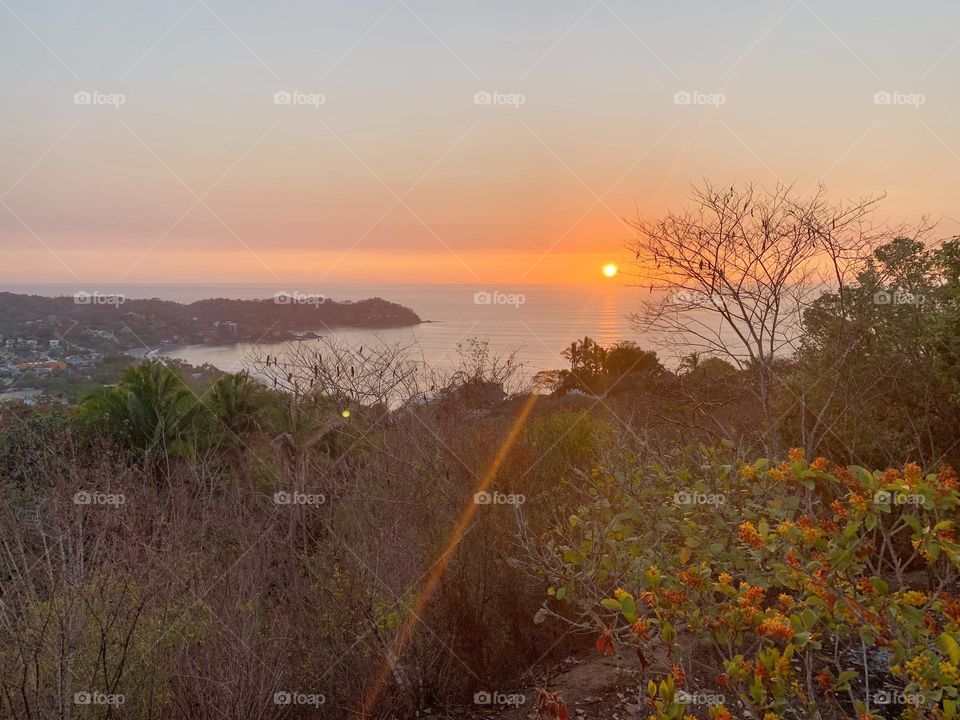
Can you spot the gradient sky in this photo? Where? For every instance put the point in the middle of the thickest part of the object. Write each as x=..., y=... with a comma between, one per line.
x=399, y=175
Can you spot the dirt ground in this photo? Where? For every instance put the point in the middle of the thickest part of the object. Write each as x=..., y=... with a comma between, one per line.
x=594, y=688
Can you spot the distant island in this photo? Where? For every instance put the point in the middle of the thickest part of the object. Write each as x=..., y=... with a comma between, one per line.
x=96, y=319
x=58, y=341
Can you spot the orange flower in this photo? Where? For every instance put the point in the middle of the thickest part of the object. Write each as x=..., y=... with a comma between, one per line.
x=725, y=578
x=604, y=643
x=825, y=679
x=796, y=455
x=786, y=601
x=912, y=474
x=781, y=473
x=749, y=535
x=948, y=478
x=914, y=598
x=777, y=626
x=678, y=675
x=674, y=597
x=750, y=594
x=951, y=607
x=640, y=628
x=844, y=475
x=820, y=464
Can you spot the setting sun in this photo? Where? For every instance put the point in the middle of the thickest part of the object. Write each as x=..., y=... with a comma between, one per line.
x=610, y=269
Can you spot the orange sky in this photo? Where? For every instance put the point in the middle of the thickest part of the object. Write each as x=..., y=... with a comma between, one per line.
x=453, y=143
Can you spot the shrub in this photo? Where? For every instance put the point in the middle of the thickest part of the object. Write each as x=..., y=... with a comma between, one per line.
x=788, y=588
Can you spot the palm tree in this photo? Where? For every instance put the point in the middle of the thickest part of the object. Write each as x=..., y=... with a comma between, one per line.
x=237, y=401
x=236, y=406
x=150, y=411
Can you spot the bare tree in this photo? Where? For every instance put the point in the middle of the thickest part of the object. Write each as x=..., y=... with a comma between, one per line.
x=731, y=275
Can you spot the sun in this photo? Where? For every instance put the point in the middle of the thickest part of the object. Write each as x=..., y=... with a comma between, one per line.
x=610, y=269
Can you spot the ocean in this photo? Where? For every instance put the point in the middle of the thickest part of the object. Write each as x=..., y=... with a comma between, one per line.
x=536, y=321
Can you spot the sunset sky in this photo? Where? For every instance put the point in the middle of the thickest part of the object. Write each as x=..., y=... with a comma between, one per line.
x=400, y=174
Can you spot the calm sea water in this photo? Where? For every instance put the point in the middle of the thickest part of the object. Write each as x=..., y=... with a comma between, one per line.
x=536, y=321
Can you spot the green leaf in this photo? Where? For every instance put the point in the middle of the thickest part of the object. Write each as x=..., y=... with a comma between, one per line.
x=629, y=609
x=846, y=676
x=914, y=524
x=951, y=646
x=611, y=603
